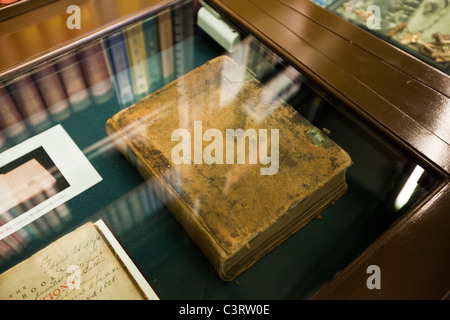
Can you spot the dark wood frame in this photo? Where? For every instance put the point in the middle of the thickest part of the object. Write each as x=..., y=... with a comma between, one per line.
x=402, y=98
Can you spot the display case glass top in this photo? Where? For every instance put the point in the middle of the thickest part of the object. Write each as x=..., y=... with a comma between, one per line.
x=55, y=111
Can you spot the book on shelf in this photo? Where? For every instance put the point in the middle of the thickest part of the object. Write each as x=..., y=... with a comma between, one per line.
x=137, y=58
x=86, y=264
x=151, y=40
x=239, y=209
x=119, y=67
x=22, y=189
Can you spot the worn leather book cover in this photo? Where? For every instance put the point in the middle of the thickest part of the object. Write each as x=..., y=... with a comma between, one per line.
x=239, y=168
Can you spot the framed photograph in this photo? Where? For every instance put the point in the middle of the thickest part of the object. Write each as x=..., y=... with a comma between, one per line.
x=418, y=27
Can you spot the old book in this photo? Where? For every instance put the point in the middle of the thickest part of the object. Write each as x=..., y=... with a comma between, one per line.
x=237, y=200
x=86, y=264
x=23, y=183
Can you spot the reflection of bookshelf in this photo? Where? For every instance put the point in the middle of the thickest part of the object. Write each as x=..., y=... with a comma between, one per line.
x=95, y=71
x=26, y=183
x=17, y=189
x=152, y=47
x=11, y=122
x=132, y=209
x=119, y=66
x=183, y=37
x=137, y=57
x=29, y=102
x=147, y=54
x=23, y=183
x=52, y=91
x=2, y=140
x=92, y=265
x=165, y=33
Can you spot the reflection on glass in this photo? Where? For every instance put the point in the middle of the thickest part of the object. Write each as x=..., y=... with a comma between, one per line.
x=420, y=27
x=408, y=189
x=52, y=91
x=132, y=209
x=25, y=183
x=379, y=182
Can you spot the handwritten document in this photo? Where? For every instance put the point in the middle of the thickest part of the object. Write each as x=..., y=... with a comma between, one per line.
x=78, y=266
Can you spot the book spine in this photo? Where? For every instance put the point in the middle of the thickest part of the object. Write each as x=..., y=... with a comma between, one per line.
x=3, y=141
x=5, y=250
x=151, y=39
x=52, y=92
x=165, y=32
x=11, y=121
x=13, y=240
x=62, y=211
x=32, y=228
x=213, y=251
x=138, y=59
x=51, y=219
x=95, y=71
x=39, y=224
x=125, y=215
x=72, y=79
x=118, y=58
x=254, y=59
x=178, y=35
x=30, y=104
x=28, y=229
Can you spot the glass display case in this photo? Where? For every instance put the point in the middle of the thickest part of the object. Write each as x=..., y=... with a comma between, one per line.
x=420, y=28
x=60, y=85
